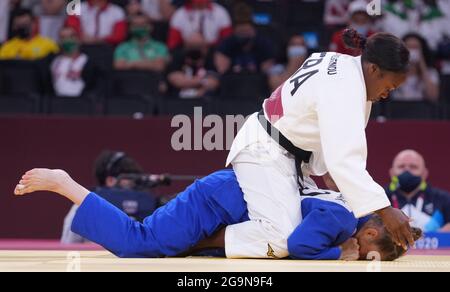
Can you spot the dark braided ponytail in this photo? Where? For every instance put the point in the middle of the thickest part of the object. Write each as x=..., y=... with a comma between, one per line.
x=382, y=49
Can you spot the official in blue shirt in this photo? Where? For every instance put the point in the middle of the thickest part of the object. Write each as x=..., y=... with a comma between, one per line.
x=427, y=206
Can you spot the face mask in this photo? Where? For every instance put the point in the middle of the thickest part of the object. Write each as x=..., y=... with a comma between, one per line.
x=69, y=46
x=297, y=51
x=244, y=40
x=194, y=54
x=361, y=29
x=139, y=32
x=22, y=32
x=408, y=182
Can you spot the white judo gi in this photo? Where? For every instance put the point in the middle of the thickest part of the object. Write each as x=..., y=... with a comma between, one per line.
x=323, y=109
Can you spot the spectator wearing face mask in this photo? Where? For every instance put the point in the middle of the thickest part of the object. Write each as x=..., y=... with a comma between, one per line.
x=360, y=21
x=246, y=50
x=192, y=73
x=296, y=54
x=25, y=44
x=428, y=207
x=422, y=82
x=71, y=71
x=141, y=52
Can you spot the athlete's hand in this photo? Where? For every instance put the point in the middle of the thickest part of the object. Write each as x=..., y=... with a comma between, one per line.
x=397, y=223
x=350, y=250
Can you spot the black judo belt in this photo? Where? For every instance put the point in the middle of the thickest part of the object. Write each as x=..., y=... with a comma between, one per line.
x=300, y=155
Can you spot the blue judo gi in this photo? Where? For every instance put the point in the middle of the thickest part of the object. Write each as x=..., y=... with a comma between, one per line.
x=197, y=213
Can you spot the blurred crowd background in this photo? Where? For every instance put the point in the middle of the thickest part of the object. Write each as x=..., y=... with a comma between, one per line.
x=163, y=57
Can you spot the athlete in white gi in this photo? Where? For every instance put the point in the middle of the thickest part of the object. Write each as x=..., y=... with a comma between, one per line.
x=323, y=108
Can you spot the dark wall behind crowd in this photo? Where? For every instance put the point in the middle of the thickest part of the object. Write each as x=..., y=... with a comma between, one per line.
x=73, y=144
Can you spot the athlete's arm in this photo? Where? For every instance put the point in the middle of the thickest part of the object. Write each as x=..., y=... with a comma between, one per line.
x=342, y=126
x=314, y=237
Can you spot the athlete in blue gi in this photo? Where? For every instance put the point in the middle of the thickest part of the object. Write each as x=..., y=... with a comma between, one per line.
x=194, y=220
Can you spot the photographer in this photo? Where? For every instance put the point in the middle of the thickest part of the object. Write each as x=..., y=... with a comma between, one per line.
x=111, y=171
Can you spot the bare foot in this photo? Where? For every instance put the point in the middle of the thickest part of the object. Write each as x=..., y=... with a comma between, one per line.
x=41, y=179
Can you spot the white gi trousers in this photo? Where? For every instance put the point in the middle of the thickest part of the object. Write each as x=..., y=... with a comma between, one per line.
x=268, y=177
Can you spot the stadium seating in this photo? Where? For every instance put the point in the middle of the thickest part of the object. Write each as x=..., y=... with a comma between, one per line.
x=84, y=105
x=445, y=96
x=132, y=92
x=244, y=86
x=176, y=106
x=21, y=87
x=411, y=110
x=445, y=88
x=25, y=87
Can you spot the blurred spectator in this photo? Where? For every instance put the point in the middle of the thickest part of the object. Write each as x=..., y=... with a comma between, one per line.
x=14, y=6
x=360, y=21
x=158, y=10
x=422, y=82
x=133, y=7
x=192, y=73
x=336, y=12
x=100, y=22
x=34, y=5
x=179, y=3
x=24, y=44
x=428, y=207
x=199, y=16
x=444, y=44
x=141, y=51
x=108, y=166
x=246, y=50
x=52, y=18
x=4, y=20
x=70, y=70
x=444, y=5
x=444, y=56
x=424, y=17
x=297, y=52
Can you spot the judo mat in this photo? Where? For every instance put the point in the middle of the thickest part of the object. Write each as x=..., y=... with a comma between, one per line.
x=98, y=261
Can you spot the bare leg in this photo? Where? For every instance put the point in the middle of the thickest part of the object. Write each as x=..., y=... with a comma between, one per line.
x=57, y=181
x=217, y=240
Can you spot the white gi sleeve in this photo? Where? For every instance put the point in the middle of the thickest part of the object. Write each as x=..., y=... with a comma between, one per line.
x=341, y=112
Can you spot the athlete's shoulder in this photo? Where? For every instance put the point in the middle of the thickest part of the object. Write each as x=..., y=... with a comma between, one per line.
x=334, y=205
x=328, y=198
x=333, y=65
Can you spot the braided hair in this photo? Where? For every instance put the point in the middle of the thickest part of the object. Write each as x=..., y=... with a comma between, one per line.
x=382, y=49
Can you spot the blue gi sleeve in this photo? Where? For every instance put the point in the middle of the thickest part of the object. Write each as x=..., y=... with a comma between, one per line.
x=313, y=239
